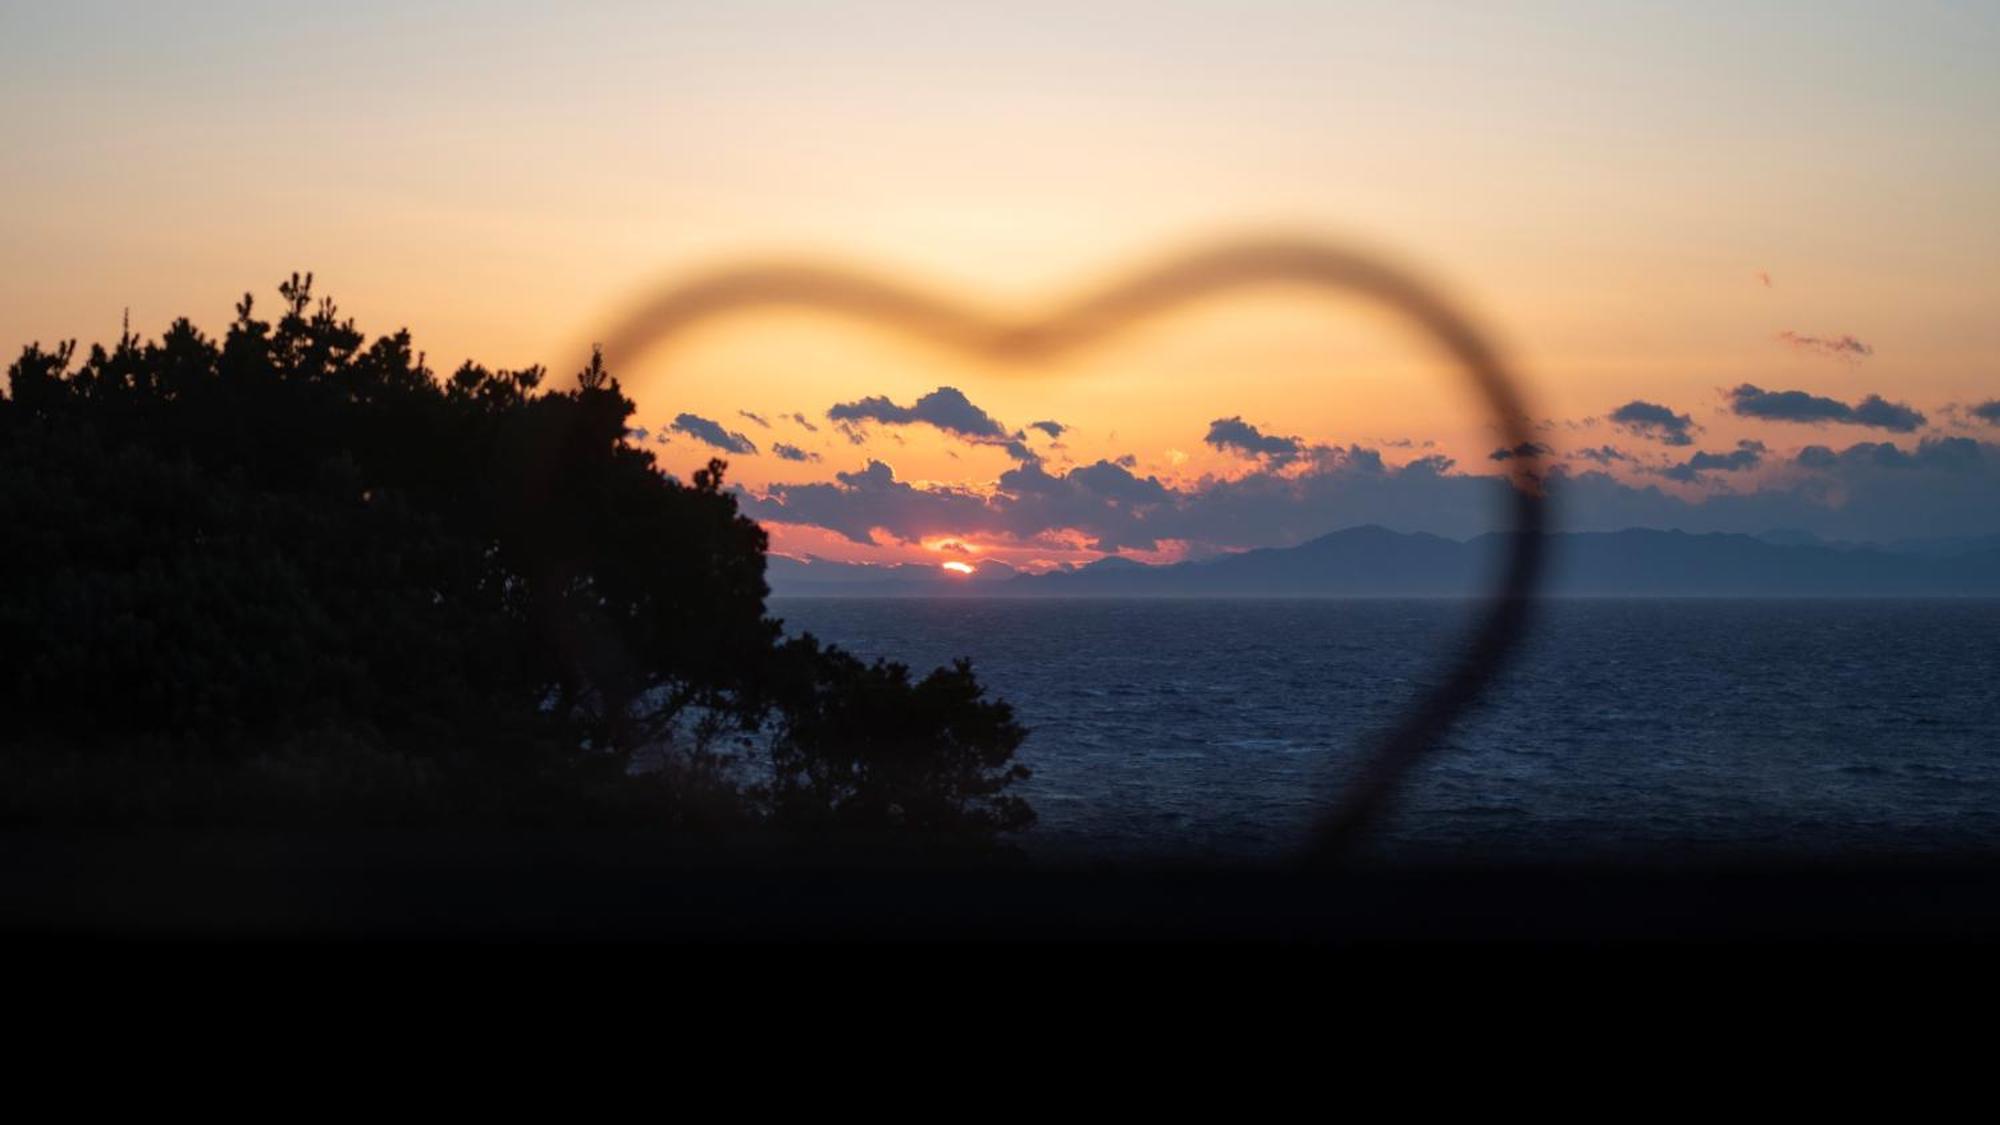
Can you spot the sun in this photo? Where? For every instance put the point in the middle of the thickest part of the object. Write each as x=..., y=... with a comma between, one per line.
x=958, y=567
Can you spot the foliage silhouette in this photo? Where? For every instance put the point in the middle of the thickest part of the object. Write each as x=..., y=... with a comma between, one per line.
x=292, y=575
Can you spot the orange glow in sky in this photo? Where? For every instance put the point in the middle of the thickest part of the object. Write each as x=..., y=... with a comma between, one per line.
x=1643, y=211
x=958, y=567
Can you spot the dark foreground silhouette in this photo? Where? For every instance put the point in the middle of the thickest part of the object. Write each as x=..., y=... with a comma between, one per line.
x=282, y=586
x=290, y=578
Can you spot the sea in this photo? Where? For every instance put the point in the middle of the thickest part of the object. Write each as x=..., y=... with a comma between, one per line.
x=1622, y=730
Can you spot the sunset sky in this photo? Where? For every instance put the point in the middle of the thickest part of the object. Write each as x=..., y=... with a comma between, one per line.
x=1746, y=257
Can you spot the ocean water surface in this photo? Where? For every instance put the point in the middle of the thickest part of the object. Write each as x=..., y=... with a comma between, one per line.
x=1215, y=729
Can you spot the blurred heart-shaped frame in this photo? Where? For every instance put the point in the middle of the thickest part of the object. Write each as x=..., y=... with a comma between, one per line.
x=1371, y=787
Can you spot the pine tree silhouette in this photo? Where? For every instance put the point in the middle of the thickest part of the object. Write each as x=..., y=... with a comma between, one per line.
x=293, y=573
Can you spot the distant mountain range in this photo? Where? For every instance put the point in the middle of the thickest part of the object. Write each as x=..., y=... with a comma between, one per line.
x=1376, y=562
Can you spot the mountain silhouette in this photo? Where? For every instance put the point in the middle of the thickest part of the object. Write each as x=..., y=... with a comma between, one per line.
x=1373, y=561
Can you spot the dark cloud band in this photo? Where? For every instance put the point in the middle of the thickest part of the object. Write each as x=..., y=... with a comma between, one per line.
x=1525, y=449
x=1751, y=401
x=712, y=433
x=1746, y=455
x=1651, y=420
x=1237, y=436
x=946, y=408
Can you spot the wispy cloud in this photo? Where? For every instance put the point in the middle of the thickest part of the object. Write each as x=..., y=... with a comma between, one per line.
x=1604, y=454
x=1525, y=449
x=757, y=418
x=1842, y=347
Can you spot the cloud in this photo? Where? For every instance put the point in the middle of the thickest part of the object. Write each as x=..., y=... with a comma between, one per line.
x=1655, y=422
x=1114, y=508
x=757, y=418
x=1797, y=406
x=857, y=503
x=1104, y=500
x=1747, y=455
x=792, y=453
x=1897, y=417
x=801, y=420
x=1988, y=412
x=703, y=430
x=638, y=433
x=1955, y=455
x=1843, y=347
x=1872, y=491
x=1525, y=449
x=945, y=408
x=1869, y=491
x=1053, y=429
x=1603, y=454
x=1236, y=435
